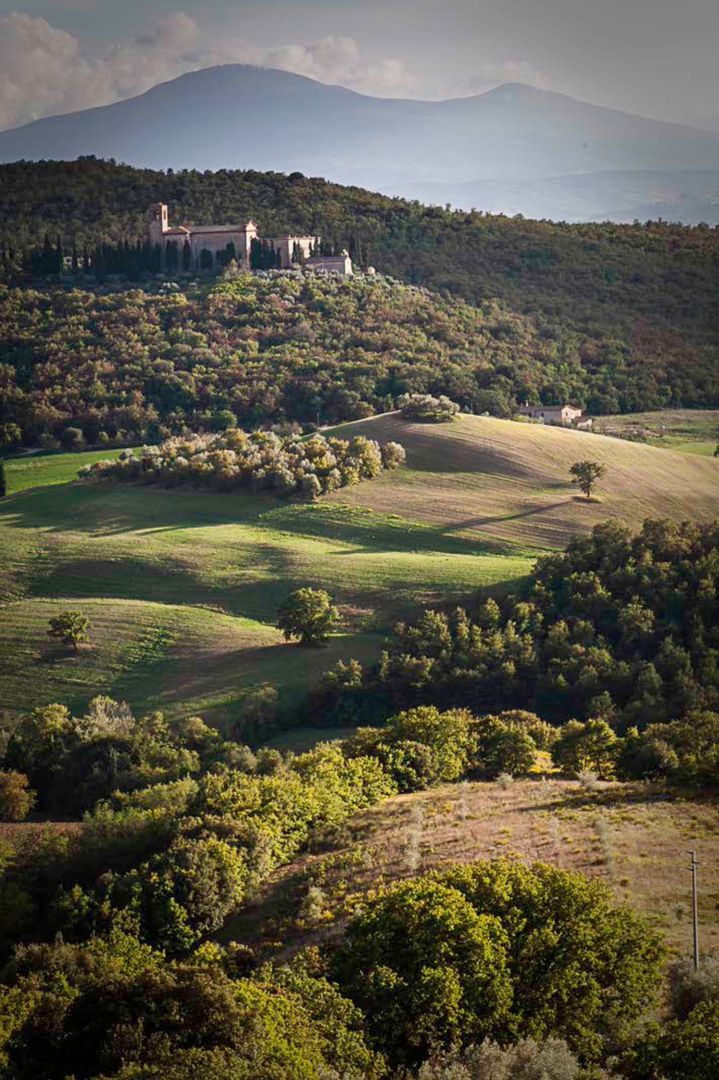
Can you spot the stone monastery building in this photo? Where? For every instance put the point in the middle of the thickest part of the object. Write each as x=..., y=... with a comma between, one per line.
x=240, y=241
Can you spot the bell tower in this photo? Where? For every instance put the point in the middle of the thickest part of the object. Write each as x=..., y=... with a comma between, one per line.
x=157, y=223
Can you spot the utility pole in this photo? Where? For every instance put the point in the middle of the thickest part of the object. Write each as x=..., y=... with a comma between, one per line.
x=693, y=868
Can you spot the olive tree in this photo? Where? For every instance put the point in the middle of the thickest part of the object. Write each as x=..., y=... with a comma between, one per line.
x=586, y=474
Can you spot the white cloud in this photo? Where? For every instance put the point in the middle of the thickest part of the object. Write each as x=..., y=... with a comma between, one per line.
x=175, y=32
x=44, y=71
x=339, y=60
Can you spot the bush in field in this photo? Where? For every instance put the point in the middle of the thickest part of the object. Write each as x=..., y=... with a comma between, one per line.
x=427, y=409
x=508, y=743
x=497, y=949
x=686, y=749
x=679, y=1050
x=393, y=455
x=307, y=614
x=70, y=627
x=16, y=799
x=420, y=747
x=261, y=461
x=689, y=987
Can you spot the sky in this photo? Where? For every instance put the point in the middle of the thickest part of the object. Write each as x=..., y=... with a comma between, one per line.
x=653, y=57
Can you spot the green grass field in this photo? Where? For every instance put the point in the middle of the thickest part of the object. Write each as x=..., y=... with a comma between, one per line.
x=182, y=587
x=41, y=469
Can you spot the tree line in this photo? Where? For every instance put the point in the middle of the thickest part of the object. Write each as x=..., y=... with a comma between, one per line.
x=261, y=460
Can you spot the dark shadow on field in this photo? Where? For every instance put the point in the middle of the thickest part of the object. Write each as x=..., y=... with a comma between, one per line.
x=106, y=510
x=639, y=796
x=476, y=523
x=224, y=676
x=113, y=509
x=371, y=531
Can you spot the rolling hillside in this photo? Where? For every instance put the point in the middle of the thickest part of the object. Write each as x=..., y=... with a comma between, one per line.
x=507, y=482
x=182, y=587
x=237, y=116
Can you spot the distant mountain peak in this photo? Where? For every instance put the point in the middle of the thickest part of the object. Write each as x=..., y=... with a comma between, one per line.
x=514, y=136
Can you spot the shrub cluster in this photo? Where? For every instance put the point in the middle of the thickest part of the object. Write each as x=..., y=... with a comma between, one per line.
x=260, y=460
x=497, y=949
x=188, y=821
x=427, y=409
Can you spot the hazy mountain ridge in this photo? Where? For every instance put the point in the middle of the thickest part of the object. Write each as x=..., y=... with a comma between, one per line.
x=513, y=149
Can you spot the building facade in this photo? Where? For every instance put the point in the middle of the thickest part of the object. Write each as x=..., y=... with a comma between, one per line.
x=200, y=247
x=559, y=415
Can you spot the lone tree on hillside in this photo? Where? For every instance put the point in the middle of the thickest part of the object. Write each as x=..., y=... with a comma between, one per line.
x=586, y=474
x=71, y=628
x=307, y=614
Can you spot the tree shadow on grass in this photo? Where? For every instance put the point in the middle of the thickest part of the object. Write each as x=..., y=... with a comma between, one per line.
x=476, y=523
x=112, y=509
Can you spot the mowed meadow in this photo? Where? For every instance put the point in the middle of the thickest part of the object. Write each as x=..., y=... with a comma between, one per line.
x=182, y=587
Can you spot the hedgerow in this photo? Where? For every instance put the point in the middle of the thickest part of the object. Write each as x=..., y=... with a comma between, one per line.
x=260, y=460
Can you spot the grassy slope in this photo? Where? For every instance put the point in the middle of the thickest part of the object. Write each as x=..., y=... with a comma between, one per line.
x=182, y=587
x=504, y=482
x=43, y=469
x=631, y=837
x=691, y=431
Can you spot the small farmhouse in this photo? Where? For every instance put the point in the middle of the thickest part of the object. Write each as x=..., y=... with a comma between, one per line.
x=559, y=415
x=200, y=247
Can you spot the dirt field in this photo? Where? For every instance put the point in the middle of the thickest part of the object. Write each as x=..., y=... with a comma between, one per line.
x=632, y=836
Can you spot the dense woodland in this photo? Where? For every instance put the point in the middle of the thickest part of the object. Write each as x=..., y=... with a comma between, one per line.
x=128, y=365
x=107, y=932
x=618, y=627
x=618, y=318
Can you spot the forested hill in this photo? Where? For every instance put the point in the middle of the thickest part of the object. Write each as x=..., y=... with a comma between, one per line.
x=135, y=364
x=620, y=318
x=618, y=279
